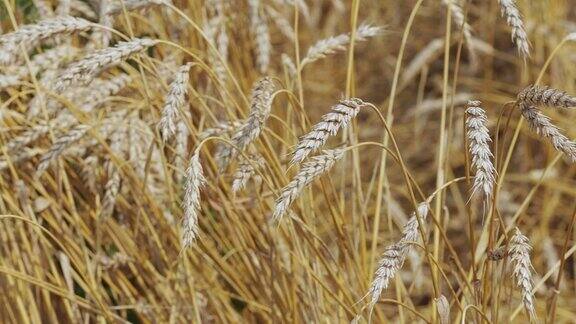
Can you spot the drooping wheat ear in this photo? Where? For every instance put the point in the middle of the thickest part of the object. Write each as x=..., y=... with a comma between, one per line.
x=312, y=169
x=542, y=125
x=40, y=62
x=260, y=31
x=191, y=204
x=289, y=65
x=221, y=129
x=100, y=90
x=340, y=115
x=394, y=255
x=281, y=22
x=174, y=101
x=545, y=96
x=513, y=17
x=30, y=35
x=333, y=44
x=479, y=147
x=83, y=8
x=85, y=70
x=130, y=5
x=63, y=142
x=460, y=20
x=111, y=190
x=246, y=169
x=519, y=252
x=260, y=106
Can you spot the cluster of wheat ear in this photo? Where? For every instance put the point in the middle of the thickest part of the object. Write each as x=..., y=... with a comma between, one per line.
x=190, y=161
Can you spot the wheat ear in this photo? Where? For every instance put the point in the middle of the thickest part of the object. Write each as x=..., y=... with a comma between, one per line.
x=130, y=5
x=260, y=106
x=519, y=253
x=542, y=125
x=261, y=35
x=191, y=204
x=545, y=96
x=174, y=101
x=340, y=115
x=60, y=145
x=479, y=147
x=460, y=20
x=394, y=255
x=514, y=19
x=30, y=35
x=312, y=169
x=246, y=169
x=85, y=70
x=333, y=44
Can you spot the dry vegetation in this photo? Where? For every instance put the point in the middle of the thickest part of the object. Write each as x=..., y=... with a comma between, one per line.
x=287, y=161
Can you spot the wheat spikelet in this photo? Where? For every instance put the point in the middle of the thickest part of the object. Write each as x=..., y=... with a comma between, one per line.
x=338, y=43
x=394, y=255
x=340, y=115
x=191, y=203
x=85, y=70
x=174, y=101
x=60, y=145
x=479, y=147
x=514, y=19
x=30, y=35
x=545, y=96
x=519, y=253
x=262, y=37
x=260, y=106
x=115, y=8
x=542, y=125
x=312, y=169
x=246, y=169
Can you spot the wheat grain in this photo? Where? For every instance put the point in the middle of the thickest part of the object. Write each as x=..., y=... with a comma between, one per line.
x=85, y=70
x=519, y=252
x=338, y=43
x=340, y=115
x=312, y=169
x=260, y=106
x=514, y=19
x=545, y=96
x=542, y=125
x=479, y=147
x=191, y=203
x=174, y=101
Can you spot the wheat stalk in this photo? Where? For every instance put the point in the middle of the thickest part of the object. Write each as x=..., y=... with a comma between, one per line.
x=519, y=253
x=479, y=147
x=30, y=35
x=174, y=101
x=260, y=106
x=514, y=19
x=85, y=70
x=312, y=169
x=545, y=96
x=338, y=43
x=340, y=115
x=191, y=204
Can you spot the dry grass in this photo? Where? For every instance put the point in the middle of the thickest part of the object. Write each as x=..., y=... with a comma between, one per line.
x=147, y=148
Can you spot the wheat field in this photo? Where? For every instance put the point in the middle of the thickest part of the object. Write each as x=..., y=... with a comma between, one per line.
x=287, y=161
